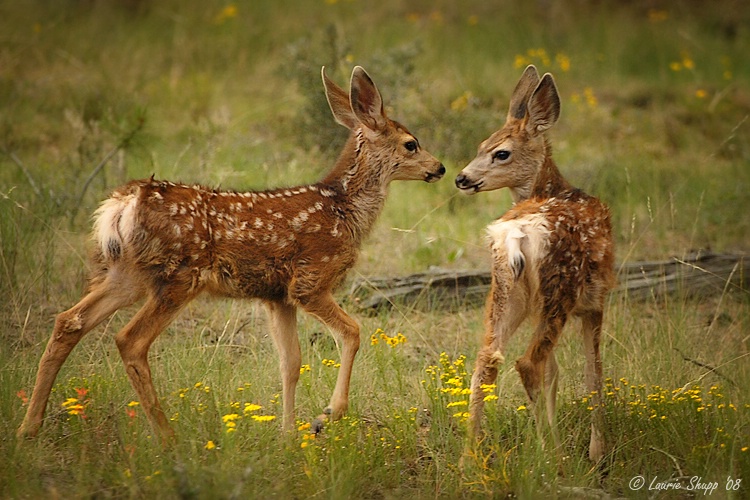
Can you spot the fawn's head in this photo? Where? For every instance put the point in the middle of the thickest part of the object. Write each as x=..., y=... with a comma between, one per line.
x=512, y=156
x=386, y=142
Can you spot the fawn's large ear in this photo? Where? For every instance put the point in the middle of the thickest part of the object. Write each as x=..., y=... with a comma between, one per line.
x=365, y=100
x=338, y=101
x=543, y=107
x=521, y=94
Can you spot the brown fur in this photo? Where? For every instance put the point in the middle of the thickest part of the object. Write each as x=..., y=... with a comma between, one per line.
x=553, y=255
x=167, y=243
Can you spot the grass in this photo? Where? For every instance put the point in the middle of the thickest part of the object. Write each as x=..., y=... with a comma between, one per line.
x=654, y=121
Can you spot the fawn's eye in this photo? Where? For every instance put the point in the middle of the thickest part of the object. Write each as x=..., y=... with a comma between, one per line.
x=502, y=155
x=411, y=146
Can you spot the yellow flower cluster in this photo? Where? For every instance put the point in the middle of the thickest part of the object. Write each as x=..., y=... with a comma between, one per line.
x=379, y=335
x=306, y=440
x=230, y=419
x=228, y=12
x=461, y=102
x=588, y=97
x=449, y=379
x=488, y=389
x=541, y=56
x=73, y=406
x=331, y=363
x=686, y=62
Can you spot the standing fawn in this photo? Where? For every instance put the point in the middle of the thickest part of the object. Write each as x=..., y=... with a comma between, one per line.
x=552, y=256
x=167, y=243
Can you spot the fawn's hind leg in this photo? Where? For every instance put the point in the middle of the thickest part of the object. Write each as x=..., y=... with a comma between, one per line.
x=505, y=311
x=103, y=298
x=538, y=367
x=592, y=328
x=133, y=342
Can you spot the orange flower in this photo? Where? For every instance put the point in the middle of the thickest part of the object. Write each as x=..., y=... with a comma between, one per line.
x=24, y=398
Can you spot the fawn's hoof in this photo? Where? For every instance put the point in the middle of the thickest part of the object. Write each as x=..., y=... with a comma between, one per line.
x=319, y=422
x=27, y=432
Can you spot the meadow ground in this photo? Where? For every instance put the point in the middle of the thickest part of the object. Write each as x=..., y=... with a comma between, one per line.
x=656, y=99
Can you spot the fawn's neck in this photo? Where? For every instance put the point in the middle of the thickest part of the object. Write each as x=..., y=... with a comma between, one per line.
x=547, y=183
x=358, y=177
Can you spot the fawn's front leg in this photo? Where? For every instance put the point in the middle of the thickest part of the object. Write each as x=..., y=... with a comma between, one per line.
x=325, y=308
x=283, y=322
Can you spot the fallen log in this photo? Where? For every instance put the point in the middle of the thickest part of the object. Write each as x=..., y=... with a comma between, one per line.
x=701, y=274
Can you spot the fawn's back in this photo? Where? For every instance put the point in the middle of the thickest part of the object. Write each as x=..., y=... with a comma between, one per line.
x=228, y=243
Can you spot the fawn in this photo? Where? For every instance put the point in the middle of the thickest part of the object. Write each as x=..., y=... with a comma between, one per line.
x=290, y=247
x=552, y=256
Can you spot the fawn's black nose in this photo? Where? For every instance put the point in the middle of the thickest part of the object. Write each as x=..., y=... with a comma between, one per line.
x=461, y=181
x=441, y=170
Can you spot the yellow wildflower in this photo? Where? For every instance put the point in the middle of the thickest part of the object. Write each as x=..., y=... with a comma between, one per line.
x=263, y=418
x=228, y=12
x=210, y=445
x=563, y=62
x=250, y=407
x=457, y=403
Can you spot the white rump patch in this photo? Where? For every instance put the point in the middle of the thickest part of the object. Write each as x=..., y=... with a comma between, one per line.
x=523, y=241
x=114, y=223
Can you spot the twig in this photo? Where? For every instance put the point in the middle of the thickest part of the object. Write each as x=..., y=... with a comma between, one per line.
x=676, y=464
x=120, y=145
x=728, y=281
x=25, y=171
x=707, y=367
x=732, y=134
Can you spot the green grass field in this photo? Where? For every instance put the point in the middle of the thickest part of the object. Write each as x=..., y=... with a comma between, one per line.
x=655, y=121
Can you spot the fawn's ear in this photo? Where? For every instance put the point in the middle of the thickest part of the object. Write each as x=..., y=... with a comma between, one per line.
x=543, y=107
x=366, y=103
x=519, y=99
x=338, y=101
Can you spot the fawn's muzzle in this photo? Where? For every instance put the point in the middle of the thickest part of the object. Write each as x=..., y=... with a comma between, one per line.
x=435, y=176
x=465, y=184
